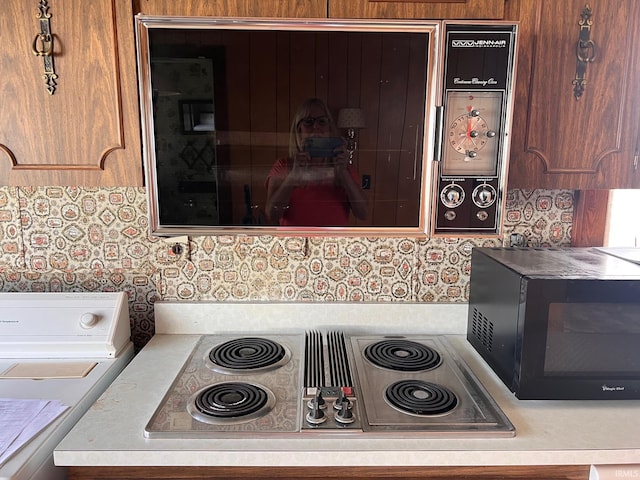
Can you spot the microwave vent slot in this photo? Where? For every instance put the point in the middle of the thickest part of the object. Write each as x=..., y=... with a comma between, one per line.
x=482, y=329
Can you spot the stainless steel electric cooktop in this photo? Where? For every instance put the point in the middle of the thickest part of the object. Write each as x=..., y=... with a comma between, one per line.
x=326, y=383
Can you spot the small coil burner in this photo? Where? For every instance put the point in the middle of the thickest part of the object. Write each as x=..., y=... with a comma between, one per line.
x=231, y=402
x=420, y=398
x=247, y=354
x=402, y=355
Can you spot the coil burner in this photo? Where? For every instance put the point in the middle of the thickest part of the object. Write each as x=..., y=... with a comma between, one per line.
x=231, y=402
x=402, y=355
x=247, y=355
x=416, y=397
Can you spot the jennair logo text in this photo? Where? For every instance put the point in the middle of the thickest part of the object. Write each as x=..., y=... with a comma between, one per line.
x=606, y=388
x=479, y=43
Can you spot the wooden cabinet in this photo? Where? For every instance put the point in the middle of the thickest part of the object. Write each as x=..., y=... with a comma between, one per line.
x=432, y=9
x=563, y=137
x=235, y=8
x=87, y=131
x=551, y=472
x=436, y=9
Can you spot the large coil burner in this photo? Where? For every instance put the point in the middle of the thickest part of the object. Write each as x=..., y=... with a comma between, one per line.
x=247, y=354
x=402, y=355
x=231, y=402
x=416, y=397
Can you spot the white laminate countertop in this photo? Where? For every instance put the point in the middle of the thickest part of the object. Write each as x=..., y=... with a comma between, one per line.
x=547, y=432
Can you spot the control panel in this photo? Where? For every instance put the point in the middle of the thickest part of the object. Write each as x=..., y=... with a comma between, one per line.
x=473, y=128
x=55, y=324
x=330, y=408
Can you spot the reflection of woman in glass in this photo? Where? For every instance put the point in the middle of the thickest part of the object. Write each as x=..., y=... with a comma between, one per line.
x=313, y=187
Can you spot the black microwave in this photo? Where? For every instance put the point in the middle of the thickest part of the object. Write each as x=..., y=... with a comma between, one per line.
x=557, y=323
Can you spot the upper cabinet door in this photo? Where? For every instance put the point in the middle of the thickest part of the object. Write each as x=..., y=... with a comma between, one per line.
x=576, y=117
x=80, y=124
x=432, y=9
x=236, y=8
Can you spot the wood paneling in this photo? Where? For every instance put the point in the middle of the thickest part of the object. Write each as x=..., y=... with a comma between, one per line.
x=235, y=8
x=590, y=218
x=550, y=472
x=443, y=9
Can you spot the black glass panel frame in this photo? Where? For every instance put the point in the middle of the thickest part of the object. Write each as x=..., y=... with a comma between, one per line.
x=219, y=95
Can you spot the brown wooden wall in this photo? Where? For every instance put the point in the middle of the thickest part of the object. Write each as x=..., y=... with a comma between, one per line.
x=263, y=76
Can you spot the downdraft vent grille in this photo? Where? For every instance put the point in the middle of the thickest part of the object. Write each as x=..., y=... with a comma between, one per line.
x=331, y=362
x=314, y=360
x=482, y=329
x=339, y=369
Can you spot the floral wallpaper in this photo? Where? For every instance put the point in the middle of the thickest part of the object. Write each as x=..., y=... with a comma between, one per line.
x=97, y=239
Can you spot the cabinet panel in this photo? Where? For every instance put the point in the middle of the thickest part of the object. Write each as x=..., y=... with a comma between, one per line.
x=87, y=132
x=433, y=9
x=235, y=8
x=564, y=138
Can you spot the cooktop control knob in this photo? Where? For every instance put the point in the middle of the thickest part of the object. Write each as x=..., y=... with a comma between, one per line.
x=318, y=398
x=345, y=414
x=316, y=415
x=88, y=320
x=342, y=398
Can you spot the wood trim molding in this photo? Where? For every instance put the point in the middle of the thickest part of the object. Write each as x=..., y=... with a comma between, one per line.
x=518, y=472
x=590, y=211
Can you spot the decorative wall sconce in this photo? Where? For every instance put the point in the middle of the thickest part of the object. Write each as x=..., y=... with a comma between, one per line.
x=351, y=119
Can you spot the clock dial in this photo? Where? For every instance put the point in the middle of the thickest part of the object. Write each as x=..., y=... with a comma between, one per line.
x=473, y=120
x=469, y=133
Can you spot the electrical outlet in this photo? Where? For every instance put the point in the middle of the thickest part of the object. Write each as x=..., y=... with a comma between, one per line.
x=517, y=240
